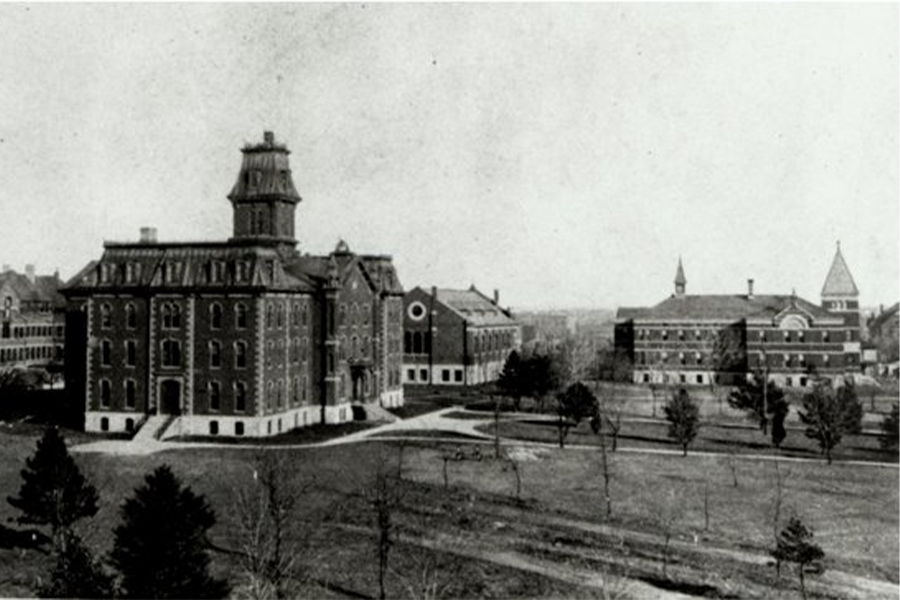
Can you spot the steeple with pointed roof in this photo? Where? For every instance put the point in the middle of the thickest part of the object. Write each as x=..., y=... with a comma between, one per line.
x=680, y=280
x=264, y=196
x=839, y=282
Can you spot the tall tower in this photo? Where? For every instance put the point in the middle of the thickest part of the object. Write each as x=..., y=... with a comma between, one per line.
x=840, y=295
x=680, y=280
x=264, y=196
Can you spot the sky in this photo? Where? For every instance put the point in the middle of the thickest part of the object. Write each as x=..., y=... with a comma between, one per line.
x=564, y=154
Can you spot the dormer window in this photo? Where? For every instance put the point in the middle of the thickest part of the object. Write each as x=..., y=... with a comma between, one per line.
x=171, y=272
x=132, y=272
x=106, y=273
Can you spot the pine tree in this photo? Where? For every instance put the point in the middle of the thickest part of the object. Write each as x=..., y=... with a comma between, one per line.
x=76, y=574
x=510, y=380
x=54, y=492
x=829, y=415
x=762, y=399
x=161, y=546
x=795, y=545
x=684, y=418
x=575, y=404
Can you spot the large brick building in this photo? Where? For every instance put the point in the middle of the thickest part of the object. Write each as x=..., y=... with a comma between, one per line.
x=239, y=337
x=32, y=320
x=455, y=337
x=690, y=339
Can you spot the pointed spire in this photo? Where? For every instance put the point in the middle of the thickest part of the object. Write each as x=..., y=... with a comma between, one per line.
x=839, y=281
x=680, y=279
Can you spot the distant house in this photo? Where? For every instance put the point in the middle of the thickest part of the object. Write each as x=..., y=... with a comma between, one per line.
x=884, y=335
x=455, y=337
x=696, y=339
x=32, y=319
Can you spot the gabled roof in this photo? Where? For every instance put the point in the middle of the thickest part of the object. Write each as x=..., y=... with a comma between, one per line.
x=44, y=288
x=473, y=306
x=723, y=307
x=839, y=281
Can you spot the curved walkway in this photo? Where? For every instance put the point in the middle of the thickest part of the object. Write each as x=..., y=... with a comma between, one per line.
x=434, y=421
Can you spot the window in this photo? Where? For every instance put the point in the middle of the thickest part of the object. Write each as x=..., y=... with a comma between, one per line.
x=239, y=428
x=423, y=374
x=240, y=396
x=130, y=353
x=445, y=375
x=787, y=336
x=215, y=395
x=105, y=392
x=410, y=374
x=105, y=353
x=104, y=424
x=240, y=315
x=280, y=314
x=215, y=355
x=699, y=378
x=171, y=316
x=130, y=316
x=646, y=378
x=803, y=382
x=129, y=424
x=681, y=334
x=458, y=376
x=130, y=393
x=407, y=342
x=213, y=428
x=106, y=273
x=215, y=315
x=417, y=342
x=171, y=353
x=171, y=272
x=825, y=336
x=800, y=336
x=270, y=315
x=762, y=336
x=789, y=382
x=665, y=334
x=697, y=334
x=682, y=378
x=240, y=354
x=105, y=316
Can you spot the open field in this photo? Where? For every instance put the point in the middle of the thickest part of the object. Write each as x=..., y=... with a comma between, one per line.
x=475, y=539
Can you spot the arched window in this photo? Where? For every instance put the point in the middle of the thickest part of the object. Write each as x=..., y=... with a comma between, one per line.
x=270, y=315
x=215, y=354
x=215, y=395
x=407, y=342
x=240, y=396
x=171, y=353
x=130, y=316
x=215, y=315
x=427, y=345
x=280, y=312
x=417, y=343
x=105, y=353
x=240, y=354
x=240, y=315
x=105, y=316
x=105, y=392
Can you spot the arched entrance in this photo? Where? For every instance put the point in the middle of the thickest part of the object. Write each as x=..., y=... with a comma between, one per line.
x=170, y=397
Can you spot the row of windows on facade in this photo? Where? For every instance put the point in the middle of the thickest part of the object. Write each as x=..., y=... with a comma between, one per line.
x=213, y=271
x=25, y=306
x=457, y=375
x=22, y=353
x=10, y=331
x=699, y=379
x=697, y=358
x=171, y=353
x=213, y=425
x=213, y=389
x=417, y=342
x=786, y=335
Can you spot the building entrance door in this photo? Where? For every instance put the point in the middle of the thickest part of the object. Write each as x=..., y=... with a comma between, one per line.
x=170, y=397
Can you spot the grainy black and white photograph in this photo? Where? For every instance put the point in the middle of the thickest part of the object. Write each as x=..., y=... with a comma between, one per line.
x=450, y=301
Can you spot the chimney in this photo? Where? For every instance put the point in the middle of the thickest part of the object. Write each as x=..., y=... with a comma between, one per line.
x=29, y=272
x=148, y=235
x=750, y=289
x=268, y=138
x=434, y=292
x=496, y=297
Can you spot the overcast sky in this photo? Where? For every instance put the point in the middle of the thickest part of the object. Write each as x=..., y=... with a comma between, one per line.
x=566, y=154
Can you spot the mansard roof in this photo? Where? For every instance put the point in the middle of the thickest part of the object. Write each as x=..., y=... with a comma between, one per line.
x=265, y=172
x=711, y=307
x=839, y=281
x=473, y=306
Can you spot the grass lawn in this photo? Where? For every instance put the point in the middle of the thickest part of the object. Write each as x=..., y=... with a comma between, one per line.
x=723, y=438
x=854, y=512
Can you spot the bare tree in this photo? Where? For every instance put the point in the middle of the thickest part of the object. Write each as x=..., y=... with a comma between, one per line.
x=705, y=503
x=269, y=527
x=667, y=515
x=515, y=468
x=597, y=424
x=384, y=496
x=776, y=511
x=724, y=356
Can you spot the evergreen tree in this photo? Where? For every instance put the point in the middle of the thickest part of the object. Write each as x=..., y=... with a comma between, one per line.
x=684, y=418
x=510, y=380
x=761, y=400
x=161, y=546
x=54, y=492
x=574, y=405
x=795, y=545
x=891, y=428
x=829, y=415
x=76, y=574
